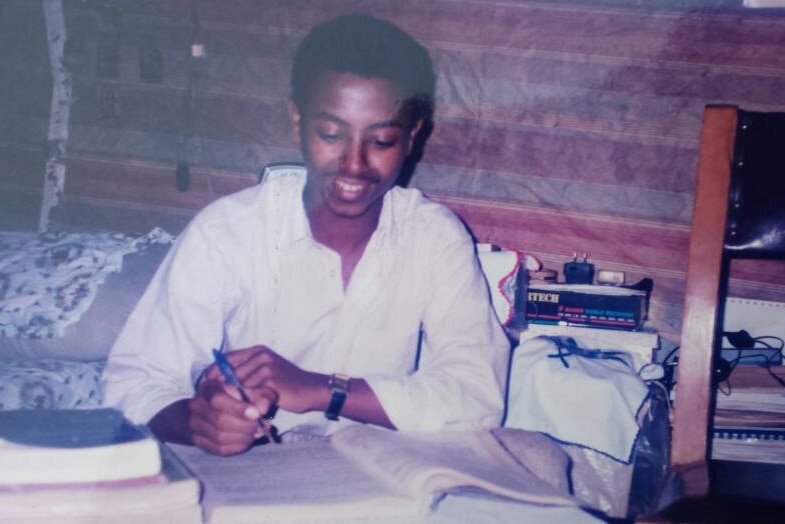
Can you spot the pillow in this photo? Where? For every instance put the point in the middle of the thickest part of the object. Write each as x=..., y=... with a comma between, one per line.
x=67, y=295
x=50, y=384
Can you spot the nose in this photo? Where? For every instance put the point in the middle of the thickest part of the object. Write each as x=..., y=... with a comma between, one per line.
x=354, y=158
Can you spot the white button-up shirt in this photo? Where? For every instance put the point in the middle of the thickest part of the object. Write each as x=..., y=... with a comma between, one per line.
x=415, y=320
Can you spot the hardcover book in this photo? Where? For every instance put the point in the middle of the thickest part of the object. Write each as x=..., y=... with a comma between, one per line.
x=749, y=419
x=753, y=444
x=68, y=446
x=170, y=496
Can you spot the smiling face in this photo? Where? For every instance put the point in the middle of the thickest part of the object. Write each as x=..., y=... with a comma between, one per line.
x=354, y=133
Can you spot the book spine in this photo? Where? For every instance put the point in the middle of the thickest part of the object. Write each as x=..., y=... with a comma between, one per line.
x=749, y=434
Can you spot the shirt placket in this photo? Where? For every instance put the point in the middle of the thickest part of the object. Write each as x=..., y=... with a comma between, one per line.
x=356, y=308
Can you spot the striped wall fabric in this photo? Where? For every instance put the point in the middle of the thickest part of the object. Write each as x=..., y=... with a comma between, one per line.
x=561, y=127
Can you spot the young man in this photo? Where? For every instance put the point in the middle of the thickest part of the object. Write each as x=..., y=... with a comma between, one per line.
x=336, y=294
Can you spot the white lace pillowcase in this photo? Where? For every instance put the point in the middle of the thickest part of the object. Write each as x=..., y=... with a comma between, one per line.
x=67, y=295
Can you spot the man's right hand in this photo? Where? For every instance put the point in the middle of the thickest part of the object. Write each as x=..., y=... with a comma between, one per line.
x=215, y=419
x=219, y=420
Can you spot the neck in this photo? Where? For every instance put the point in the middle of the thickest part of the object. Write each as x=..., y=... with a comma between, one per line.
x=343, y=234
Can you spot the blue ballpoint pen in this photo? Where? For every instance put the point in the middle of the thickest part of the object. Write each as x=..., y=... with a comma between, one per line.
x=227, y=371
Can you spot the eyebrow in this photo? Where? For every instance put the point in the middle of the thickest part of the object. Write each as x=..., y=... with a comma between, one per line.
x=323, y=115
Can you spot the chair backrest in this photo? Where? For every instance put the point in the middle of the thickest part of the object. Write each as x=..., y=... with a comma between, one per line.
x=756, y=203
x=739, y=211
x=280, y=169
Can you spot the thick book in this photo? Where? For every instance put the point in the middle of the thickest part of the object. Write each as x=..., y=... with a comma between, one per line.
x=69, y=446
x=171, y=496
x=612, y=307
x=364, y=472
x=748, y=418
x=752, y=397
x=749, y=444
x=761, y=399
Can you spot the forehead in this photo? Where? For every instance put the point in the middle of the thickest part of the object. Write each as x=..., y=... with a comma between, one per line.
x=360, y=97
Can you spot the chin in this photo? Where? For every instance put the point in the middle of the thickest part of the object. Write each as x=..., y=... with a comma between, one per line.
x=351, y=209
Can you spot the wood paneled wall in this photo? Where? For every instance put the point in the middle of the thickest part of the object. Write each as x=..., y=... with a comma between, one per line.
x=561, y=126
x=25, y=96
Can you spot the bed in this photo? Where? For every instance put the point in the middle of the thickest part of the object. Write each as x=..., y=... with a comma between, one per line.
x=63, y=298
x=65, y=295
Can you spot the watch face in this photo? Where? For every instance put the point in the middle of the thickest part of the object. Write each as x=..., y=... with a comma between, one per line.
x=339, y=386
x=339, y=381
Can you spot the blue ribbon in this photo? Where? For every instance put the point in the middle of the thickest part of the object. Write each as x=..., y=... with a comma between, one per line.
x=567, y=347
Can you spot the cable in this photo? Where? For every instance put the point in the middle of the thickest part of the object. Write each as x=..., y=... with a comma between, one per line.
x=743, y=342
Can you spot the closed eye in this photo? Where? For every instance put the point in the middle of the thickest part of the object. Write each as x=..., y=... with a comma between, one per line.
x=328, y=137
x=385, y=144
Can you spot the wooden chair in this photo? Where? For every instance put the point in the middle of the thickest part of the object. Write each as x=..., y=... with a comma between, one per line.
x=739, y=211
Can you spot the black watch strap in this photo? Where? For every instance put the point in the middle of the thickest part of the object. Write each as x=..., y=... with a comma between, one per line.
x=339, y=389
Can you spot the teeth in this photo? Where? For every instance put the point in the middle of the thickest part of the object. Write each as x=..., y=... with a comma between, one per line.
x=348, y=187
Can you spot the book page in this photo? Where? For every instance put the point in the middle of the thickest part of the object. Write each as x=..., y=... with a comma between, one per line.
x=294, y=481
x=436, y=463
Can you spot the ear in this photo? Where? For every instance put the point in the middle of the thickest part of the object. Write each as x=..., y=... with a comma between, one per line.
x=413, y=132
x=296, y=119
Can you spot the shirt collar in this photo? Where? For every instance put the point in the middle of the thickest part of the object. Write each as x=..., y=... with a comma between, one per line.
x=301, y=227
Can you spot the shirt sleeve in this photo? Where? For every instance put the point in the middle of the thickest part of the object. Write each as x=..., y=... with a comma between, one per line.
x=165, y=344
x=461, y=375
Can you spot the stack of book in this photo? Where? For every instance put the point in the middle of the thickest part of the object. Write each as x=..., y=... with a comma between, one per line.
x=749, y=419
x=89, y=466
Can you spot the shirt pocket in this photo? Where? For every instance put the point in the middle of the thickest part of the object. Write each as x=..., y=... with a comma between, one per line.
x=387, y=342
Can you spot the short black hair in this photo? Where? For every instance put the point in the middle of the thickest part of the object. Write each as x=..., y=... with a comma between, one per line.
x=369, y=47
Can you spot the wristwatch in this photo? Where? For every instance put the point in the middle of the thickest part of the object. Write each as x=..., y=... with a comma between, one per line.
x=339, y=389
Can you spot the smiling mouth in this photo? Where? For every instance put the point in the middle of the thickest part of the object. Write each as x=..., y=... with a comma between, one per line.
x=349, y=190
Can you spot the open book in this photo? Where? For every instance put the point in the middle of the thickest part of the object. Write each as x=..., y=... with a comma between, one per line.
x=366, y=472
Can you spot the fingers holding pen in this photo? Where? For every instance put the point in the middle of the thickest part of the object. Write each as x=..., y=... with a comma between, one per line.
x=253, y=366
x=245, y=371
x=260, y=367
x=262, y=402
x=221, y=422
